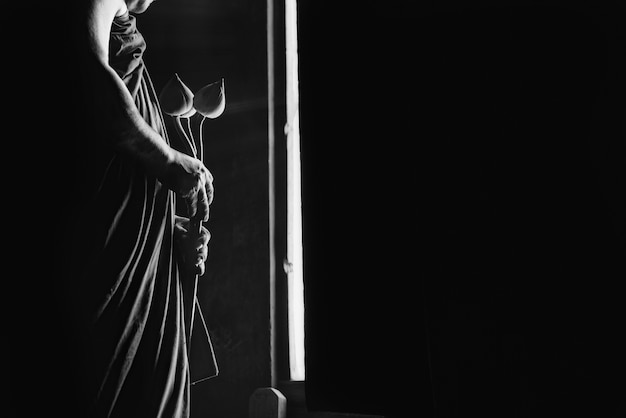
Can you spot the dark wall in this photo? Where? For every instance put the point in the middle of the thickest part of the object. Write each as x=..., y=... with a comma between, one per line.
x=204, y=42
x=366, y=339
x=525, y=221
x=493, y=183
x=463, y=163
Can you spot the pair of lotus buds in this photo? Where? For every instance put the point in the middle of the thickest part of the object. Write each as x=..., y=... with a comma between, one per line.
x=178, y=101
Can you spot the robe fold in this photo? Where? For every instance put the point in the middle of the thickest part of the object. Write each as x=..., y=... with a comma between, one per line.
x=130, y=303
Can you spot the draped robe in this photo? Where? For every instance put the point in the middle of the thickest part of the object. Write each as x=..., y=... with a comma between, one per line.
x=130, y=295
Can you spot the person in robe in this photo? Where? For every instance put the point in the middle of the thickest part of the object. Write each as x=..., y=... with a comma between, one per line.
x=126, y=252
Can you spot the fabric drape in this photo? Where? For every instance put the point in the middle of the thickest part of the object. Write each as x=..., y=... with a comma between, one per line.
x=131, y=299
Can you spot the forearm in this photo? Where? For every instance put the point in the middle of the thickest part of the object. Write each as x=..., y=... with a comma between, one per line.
x=112, y=109
x=116, y=119
x=120, y=126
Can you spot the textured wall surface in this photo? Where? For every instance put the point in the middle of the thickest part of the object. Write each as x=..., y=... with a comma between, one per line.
x=203, y=42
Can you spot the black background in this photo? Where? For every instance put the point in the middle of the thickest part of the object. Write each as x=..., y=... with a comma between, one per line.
x=463, y=202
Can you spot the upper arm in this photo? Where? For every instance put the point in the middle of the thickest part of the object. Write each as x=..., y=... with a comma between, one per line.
x=100, y=15
x=114, y=113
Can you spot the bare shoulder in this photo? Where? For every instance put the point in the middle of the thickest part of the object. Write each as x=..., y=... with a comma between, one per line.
x=106, y=7
x=100, y=15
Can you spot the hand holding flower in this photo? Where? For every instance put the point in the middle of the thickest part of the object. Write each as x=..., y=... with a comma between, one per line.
x=193, y=248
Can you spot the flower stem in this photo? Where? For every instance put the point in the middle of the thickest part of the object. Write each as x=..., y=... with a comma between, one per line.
x=183, y=134
x=193, y=141
x=201, y=142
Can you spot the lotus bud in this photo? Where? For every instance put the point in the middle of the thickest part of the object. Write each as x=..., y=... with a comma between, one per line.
x=189, y=114
x=210, y=100
x=176, y=98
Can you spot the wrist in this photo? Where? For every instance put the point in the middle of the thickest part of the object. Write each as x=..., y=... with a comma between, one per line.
x=181, y=172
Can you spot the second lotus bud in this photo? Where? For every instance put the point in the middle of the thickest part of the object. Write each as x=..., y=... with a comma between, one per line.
x=210, y=100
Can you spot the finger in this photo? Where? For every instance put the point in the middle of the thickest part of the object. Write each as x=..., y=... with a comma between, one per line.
x=208, y=175
x=210, y=191
x=200, y=269
x=181, y=228
x=208, y=186
x=196, y=265
x=199, y=253
x=197, y=199
x=203, y=253
x=203, y=239
x=203, y=205
x=200, y=265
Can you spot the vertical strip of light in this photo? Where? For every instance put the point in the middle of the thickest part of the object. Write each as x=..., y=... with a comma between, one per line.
x=271, y=135
x=294, y=210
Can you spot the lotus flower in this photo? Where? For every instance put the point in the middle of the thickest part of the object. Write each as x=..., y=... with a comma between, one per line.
x=176, y=98
x=189, y=114
x=179, y=102
x=210, y=100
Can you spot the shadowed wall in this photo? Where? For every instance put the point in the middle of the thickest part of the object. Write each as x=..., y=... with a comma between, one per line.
x=204, y=42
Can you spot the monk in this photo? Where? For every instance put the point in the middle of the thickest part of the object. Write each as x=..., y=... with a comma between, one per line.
x=129, y=252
